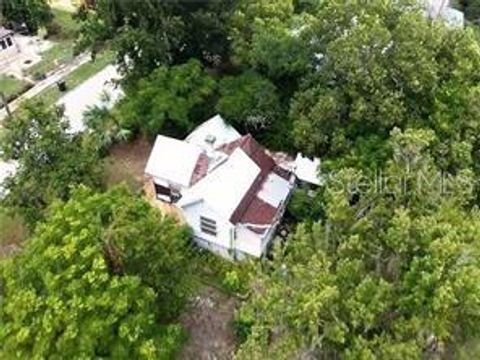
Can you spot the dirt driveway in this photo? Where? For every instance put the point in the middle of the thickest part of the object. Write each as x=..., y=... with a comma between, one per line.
x=209, y=323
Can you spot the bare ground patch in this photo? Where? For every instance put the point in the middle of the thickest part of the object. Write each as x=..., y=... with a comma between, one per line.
x=209, y=323
x=126, y=163
x=12, y=234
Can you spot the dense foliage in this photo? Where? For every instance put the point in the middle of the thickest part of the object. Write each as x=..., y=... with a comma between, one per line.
x=249, y=101
x=470, y=8
x=32, y=13
x=50, y=160
x=390, y=275
x=390, y=67
x=266, y=35
x=170, y=100
x=147, y=34
x=383, y=260
x=95, y=281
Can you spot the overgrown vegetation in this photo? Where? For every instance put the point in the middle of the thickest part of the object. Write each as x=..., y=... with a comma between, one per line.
x=51, y=161
x=96, y=279
x=32, y=13
x=62, y=30
x=11, y=86
x=376, y=268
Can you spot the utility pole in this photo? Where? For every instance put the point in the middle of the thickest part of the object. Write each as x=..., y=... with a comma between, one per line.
x=5, y=103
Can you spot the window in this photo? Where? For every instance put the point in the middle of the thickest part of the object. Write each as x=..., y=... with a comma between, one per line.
x=162, y=190
x=9, y=41
x=208, y=226
x=3, y=44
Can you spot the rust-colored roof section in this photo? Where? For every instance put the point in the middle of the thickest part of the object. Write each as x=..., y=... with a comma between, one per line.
x=253, y=149
x=259, y=212
x=266, y=164
x=201, y=169
x=282, y=172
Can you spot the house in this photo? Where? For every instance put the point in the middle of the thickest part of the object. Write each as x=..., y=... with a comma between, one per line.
x=441, y=9
x=229, y=189
x=8, y=46
x=6, y=39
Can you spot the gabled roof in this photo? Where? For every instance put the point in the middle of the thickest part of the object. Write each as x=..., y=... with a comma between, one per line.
x=213, y=133
x=239, y=179
x=224, y=188
x=174, y=160
x=266, y=164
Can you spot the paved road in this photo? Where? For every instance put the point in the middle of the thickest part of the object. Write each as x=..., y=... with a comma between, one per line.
x=60, y=73
x=98, y=90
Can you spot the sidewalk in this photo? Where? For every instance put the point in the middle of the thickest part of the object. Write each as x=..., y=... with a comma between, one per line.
x=60, y=73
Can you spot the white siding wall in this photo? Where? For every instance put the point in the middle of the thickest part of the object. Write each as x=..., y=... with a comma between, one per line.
x=217, y=249
x=192, y=215
x=248, y=242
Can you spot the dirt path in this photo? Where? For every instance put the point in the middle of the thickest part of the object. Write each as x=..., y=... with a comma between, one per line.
x=209, y=324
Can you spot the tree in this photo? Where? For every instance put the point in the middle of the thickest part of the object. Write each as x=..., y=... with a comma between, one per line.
x=306, y=204
x=149, y=34
x=471, y=9
x=170, y=100
x=389, y=274
x=249, y=101
x=252, y=16
x=104, y=126
x=268, y=36
x=80, y=289
x=32, y=13
x=51, y=161
x=384, y=65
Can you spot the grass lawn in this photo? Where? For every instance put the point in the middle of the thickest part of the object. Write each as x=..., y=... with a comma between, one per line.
x=69, y=27
x=50, y=95
x=62, y=51
x=58, y=54
x=11, y=86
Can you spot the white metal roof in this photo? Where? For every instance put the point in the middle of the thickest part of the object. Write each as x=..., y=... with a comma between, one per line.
x=307, y=169
x=88, y=94
x=225, y=187
x=173, y=160
x=274, y=190
x=215, y=128
x=453, y=18
x=7, y=169
x=5, y=32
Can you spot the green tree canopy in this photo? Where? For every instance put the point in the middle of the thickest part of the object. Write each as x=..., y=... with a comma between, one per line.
x=170, y=100
x=50, y=160
x=390, y=274
x=95, y=280
x=470, y=8
x=249, y=101
x=268, y=36
x=147, y=34
x=381, y=65
x=32, y=13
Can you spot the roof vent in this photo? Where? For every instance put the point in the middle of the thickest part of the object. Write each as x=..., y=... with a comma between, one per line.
x=210, y=139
